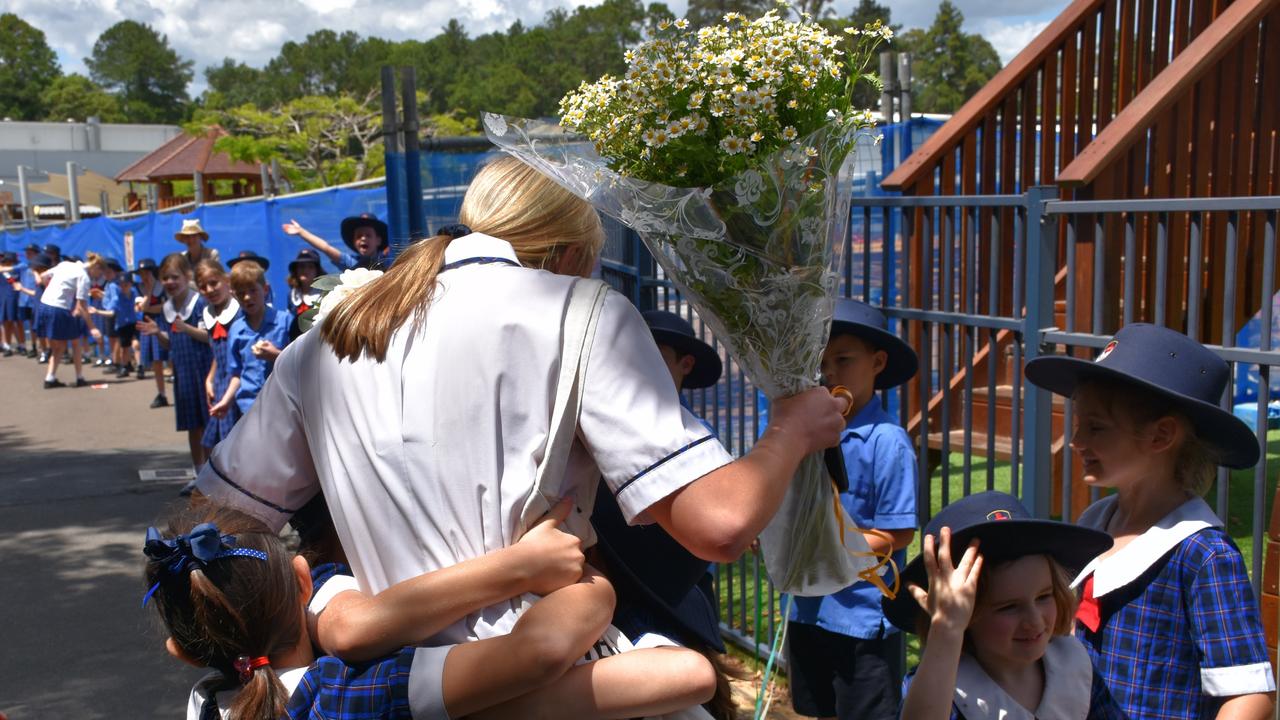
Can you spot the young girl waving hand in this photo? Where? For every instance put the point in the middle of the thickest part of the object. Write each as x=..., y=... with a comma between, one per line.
x=1168, y=614
x=996, y=627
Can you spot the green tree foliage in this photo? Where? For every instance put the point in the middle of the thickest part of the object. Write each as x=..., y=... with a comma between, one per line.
x=27, y=67
x=76, y=97
x=948, y=65
x=233, y=84
x=134, y=61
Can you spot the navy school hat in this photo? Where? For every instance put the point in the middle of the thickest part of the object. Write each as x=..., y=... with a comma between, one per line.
x=145, y=264
x=859, y=319
x=42, y=260
x=1006, y=530
x=350, y=224
x=1171, y=365
x=9, y=257
x=658, y=580
x=114, y=264
x=306, y=255
x=252, y=256
x=670, y=329
x=31, y=247
x=52, y=250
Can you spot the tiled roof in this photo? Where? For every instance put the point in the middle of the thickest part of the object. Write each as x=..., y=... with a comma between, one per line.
x=183, y=156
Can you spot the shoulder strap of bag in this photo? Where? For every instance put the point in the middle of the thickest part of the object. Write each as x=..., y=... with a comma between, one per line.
x=582, y=313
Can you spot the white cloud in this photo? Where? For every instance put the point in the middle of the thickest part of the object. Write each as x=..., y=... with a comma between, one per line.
x=251, y=31
x=1010, y=38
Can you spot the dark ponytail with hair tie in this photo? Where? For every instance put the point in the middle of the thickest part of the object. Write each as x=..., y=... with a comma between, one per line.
x=454, y=231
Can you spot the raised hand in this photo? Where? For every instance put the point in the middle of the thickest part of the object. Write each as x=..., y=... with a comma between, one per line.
x=953, y=589
x=292, y=227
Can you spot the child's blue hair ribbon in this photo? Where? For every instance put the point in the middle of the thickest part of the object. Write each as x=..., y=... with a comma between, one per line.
x=195, y=549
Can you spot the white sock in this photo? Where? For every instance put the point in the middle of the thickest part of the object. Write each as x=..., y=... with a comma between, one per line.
x=50, y=377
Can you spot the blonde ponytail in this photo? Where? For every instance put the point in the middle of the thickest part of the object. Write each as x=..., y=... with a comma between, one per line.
x=508, y=200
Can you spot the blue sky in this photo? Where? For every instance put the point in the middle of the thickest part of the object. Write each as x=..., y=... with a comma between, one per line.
x=252, y=31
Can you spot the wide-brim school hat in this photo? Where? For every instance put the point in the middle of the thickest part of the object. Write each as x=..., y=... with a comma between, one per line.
x=350, y=224
x=52, y=250
x=657, y=574
x=42, y=260
x=250, y=256
x=114, y=264
x=1171, y=365
x=1005, y=530
x=859, y=319
x=670, y=329
x=8, y=258
x=31, y=247
x=144, y=264
x=306, y=255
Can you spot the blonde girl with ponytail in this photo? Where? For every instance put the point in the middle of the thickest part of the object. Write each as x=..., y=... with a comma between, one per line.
x=64, y=303
x=421, y=408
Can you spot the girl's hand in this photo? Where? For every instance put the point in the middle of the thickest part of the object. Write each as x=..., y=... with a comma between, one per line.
x=95, y=293
x=209, y=395
x=219, y=409
x=147, y=326
x=553, y=557
x=953, y=589
x=292, y=227
x=179, y=326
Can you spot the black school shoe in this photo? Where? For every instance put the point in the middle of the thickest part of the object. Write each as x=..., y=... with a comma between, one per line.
x=81, y=382
x=54, y=383
x=159, y=402
x=122, y=371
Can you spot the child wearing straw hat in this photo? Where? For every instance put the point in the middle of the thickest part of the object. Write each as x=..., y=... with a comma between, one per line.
x=195, y=237
x=1168, y=613
x=995, y=627
x=840, y=658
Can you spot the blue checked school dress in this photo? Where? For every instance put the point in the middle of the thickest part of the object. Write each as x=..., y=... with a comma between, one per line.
x=191, y=360
x=219, y=327
x=1171, y=620
x=149, y=345
x=1073, y=689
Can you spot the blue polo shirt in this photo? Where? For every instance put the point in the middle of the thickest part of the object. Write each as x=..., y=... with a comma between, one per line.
x=121, y=303
x=881, y=465
x=253, y=371
x=28, y=280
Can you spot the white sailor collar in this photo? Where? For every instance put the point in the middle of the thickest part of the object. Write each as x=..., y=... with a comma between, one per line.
x=223, y=318
x=310, y=297
x=1144, y=551
x=171, y=314
x=475, y=246
x=1068, y=685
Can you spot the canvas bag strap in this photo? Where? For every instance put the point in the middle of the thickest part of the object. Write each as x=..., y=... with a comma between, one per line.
x=582, y=314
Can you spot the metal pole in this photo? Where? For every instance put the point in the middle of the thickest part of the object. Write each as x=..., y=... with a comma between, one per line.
x=73, y=192
x=412, y=163
x=393, y=158
x=904, y=105
x=23, y=197
x=198, y=179
x=104, y=202
x=1041, y=243
x=265, y=179
x=887, y=86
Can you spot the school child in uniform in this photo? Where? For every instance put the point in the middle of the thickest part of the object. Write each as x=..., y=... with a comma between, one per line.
x=187, y=340
x=840, y=655
x=257, y=337
x=303, y=270
x=10, y=323
x=26, y=315
x=105, y=346
x=220, y=313
x=995, y=628
x=234, y=599
x=365, y=237
x=1168, y=613
x=195, y=237
x=253, y=257
x=32, y=286
x=665, y=593
x=66, y=312
x=150, y=304
x=121, y=313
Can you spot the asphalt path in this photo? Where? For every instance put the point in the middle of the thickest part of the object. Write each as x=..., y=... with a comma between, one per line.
x=74, y=639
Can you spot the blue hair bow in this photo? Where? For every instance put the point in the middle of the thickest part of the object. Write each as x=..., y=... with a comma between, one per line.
x=195, y=549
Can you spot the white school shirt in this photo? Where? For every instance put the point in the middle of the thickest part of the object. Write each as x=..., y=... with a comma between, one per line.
x=68, y=282
x=427, y=459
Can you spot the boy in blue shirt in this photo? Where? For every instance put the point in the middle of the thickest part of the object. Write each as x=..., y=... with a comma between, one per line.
x=257, y=337
x=121, y=313
x=839, y=646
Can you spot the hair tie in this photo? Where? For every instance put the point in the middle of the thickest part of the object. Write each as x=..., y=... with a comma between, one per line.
x=245, y=665
x=454, y=231
x=187, y=552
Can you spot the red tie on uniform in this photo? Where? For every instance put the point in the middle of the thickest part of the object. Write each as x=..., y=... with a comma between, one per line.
x=173, y=327
x=303, y=307
x=1089, y=613
x=219, y=331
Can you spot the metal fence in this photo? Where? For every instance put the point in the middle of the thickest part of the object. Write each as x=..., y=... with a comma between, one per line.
x=995, y=281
